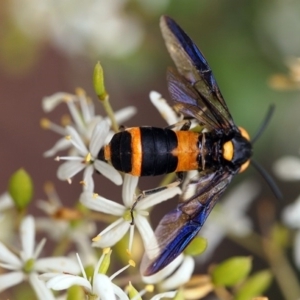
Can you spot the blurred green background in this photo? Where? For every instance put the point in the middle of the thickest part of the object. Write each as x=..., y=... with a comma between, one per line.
x=48, y=46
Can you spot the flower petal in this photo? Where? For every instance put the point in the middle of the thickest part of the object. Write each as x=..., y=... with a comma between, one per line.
x=108, y=171
x=166, y=111
x=10, y=279
x=27, y=235
x=171, y=295
x=98, y=138
x=57, y=264
x=76, y=140
x=144, y=228
x=158, y=197
x=120, y=293
x=101, y=204
x=60, y=145
x=181, y=276
x=112, y=234
x=91, y=125
x=47, y=276
x=124, y=114
x=76, y=115
x=69, y=168
x=50, y=102
x=103, y=287
x=6, y=201
x=88, y=179
x=39, y=286
x=128, y=191
x=64, y=281
x=164, y=273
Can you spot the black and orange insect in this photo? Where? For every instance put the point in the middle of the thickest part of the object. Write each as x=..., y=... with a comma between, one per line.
x=218, y=152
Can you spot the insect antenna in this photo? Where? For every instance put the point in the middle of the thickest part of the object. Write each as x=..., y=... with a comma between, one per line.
x=267, y=177
x=264, y=124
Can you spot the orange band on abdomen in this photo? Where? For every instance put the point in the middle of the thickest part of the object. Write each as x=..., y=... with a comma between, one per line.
x=136, y=148
x=187, y=151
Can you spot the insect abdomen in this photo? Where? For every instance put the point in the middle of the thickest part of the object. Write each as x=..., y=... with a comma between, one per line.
x=149, y=151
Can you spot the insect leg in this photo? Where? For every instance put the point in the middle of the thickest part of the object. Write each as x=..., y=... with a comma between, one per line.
x=183, y=125
x=143, y=194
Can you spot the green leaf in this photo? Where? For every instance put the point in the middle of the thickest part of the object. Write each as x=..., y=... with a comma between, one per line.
x=232, y=271
x=20, y=188
x=255, y=285
x=196, y=247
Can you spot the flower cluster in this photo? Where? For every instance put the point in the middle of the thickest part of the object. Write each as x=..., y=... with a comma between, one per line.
x=128, y=231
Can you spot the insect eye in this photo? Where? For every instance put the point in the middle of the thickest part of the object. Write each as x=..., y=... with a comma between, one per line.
x=244, y=166
x=244, y=133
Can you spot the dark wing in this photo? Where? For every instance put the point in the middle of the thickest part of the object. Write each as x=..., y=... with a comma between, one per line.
x=177, y=228
x=193, y=87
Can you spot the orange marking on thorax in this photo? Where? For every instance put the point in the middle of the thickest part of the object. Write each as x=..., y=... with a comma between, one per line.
x=187, y=151
x=136, y=147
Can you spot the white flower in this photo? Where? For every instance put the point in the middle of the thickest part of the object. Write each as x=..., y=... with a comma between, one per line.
x=58, y=225
x=87, y=158
x=26, y=266
x=114, y=232
x=99, y=285
x=288, y=168
x=84, y=120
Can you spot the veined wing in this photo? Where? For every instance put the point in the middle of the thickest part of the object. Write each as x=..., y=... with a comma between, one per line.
x=189, y=102
x=194, y=70
x=177, y=228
